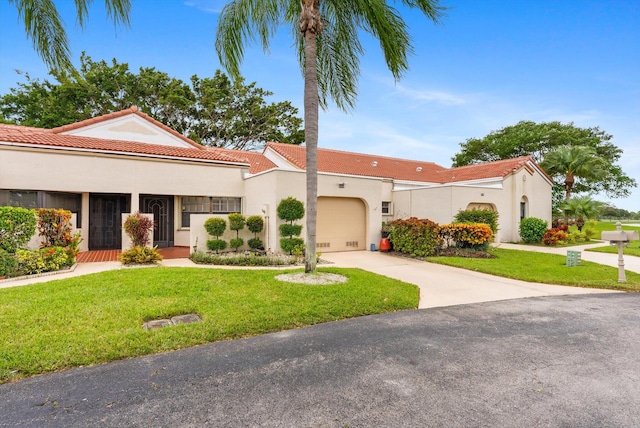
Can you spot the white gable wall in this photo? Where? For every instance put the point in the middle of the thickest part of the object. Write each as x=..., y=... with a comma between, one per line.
x=130, y=127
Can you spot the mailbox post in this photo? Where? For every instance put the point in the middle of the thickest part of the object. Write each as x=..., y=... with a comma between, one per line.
x=621, y=239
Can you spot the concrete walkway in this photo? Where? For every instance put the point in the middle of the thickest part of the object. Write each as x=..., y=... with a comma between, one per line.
x=445, y=285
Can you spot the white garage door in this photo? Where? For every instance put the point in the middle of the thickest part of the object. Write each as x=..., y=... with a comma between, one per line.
x=340, y=225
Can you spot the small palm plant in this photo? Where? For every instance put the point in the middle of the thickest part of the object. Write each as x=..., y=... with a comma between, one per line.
x=581, y=208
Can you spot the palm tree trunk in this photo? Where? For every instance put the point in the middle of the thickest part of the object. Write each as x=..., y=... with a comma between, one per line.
x=310, y=26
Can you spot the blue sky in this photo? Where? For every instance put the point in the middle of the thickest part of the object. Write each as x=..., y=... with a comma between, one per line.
x=491, y=64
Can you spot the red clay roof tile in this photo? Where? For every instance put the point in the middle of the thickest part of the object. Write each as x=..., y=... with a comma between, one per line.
x=339, y=162
x=46, y=138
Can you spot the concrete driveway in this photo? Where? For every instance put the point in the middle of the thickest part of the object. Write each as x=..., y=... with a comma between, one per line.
x=446, y=286
x=562, y=361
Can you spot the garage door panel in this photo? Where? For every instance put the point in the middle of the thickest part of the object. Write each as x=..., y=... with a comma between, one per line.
x=341, y=224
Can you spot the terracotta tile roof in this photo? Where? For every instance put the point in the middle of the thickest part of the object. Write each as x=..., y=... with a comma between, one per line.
x=20, y=130
x=501, y=168
x=131, y=110
x=259, y=162
x=335, y=161
x=46, y=138
x=340, y=162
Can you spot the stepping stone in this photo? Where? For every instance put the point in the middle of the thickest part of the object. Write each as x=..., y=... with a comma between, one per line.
x=186, y=319
x=153, y=324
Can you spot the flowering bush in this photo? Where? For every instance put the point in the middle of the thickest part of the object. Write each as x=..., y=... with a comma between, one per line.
x=140, y=255
x=55, y=227
x=554, y=236
x=48, y=259
x=464, y=235
x=137, y=227
x=416, y=237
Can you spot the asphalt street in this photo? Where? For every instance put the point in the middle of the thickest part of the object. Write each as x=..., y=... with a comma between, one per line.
x=559, y=361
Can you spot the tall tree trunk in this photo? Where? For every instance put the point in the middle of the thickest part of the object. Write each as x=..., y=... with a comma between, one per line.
x=310, y=26
x=568, y=185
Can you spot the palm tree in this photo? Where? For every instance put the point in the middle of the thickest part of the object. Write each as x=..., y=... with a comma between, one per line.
x=326, y=34
x=44, y=27
x=572, y=162
x=582, y=208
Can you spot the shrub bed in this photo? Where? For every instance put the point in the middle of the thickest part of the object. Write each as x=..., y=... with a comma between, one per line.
x=248, y=259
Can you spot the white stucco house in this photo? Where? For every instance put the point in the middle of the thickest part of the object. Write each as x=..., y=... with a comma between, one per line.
x=126, y=161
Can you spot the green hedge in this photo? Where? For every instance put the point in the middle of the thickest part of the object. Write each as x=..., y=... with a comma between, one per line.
x=17, y=226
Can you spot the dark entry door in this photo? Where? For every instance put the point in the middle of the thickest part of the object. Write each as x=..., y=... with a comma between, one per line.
x=162, y=209
x=105, y=221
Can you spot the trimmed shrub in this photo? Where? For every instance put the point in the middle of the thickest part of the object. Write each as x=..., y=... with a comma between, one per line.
x=290, y=210
x=236, y=222
x=255, y=244
x=236, y=243
x=416, y=237
x=255, y=224
x=140, y=255
x=7, y=263
x=479, y=216
x=532, y=230
x=137, y=227
x=290, y=230
x=466, y=235
x=216, y=245
x=215, y=226
x=289, y=245
x=17, y=226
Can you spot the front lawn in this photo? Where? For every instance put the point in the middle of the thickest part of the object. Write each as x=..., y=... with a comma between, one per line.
x=545, y=268
x=98, y=318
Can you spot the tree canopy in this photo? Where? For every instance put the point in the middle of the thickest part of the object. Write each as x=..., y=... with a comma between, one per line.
x=213, y=111
x=539, y=139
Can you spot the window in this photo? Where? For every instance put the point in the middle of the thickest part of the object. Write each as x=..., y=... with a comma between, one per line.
x=208, y=205
x=523, y=210
x=42, y=199
x=386, y=207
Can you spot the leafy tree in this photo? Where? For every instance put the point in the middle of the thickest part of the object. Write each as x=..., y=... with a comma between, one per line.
x=538, y=139
x=582, y=208
x=327, y=36
x=232, y=114
x=44, y=27
x=215, y=112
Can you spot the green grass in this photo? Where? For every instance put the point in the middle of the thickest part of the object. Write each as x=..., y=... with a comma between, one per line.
x=545, y=268
x=98, y=318
x=633, y=249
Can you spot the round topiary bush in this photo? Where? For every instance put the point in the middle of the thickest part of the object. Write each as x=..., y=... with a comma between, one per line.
x=216, y=245
x=215, y=226
x=532, y=230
